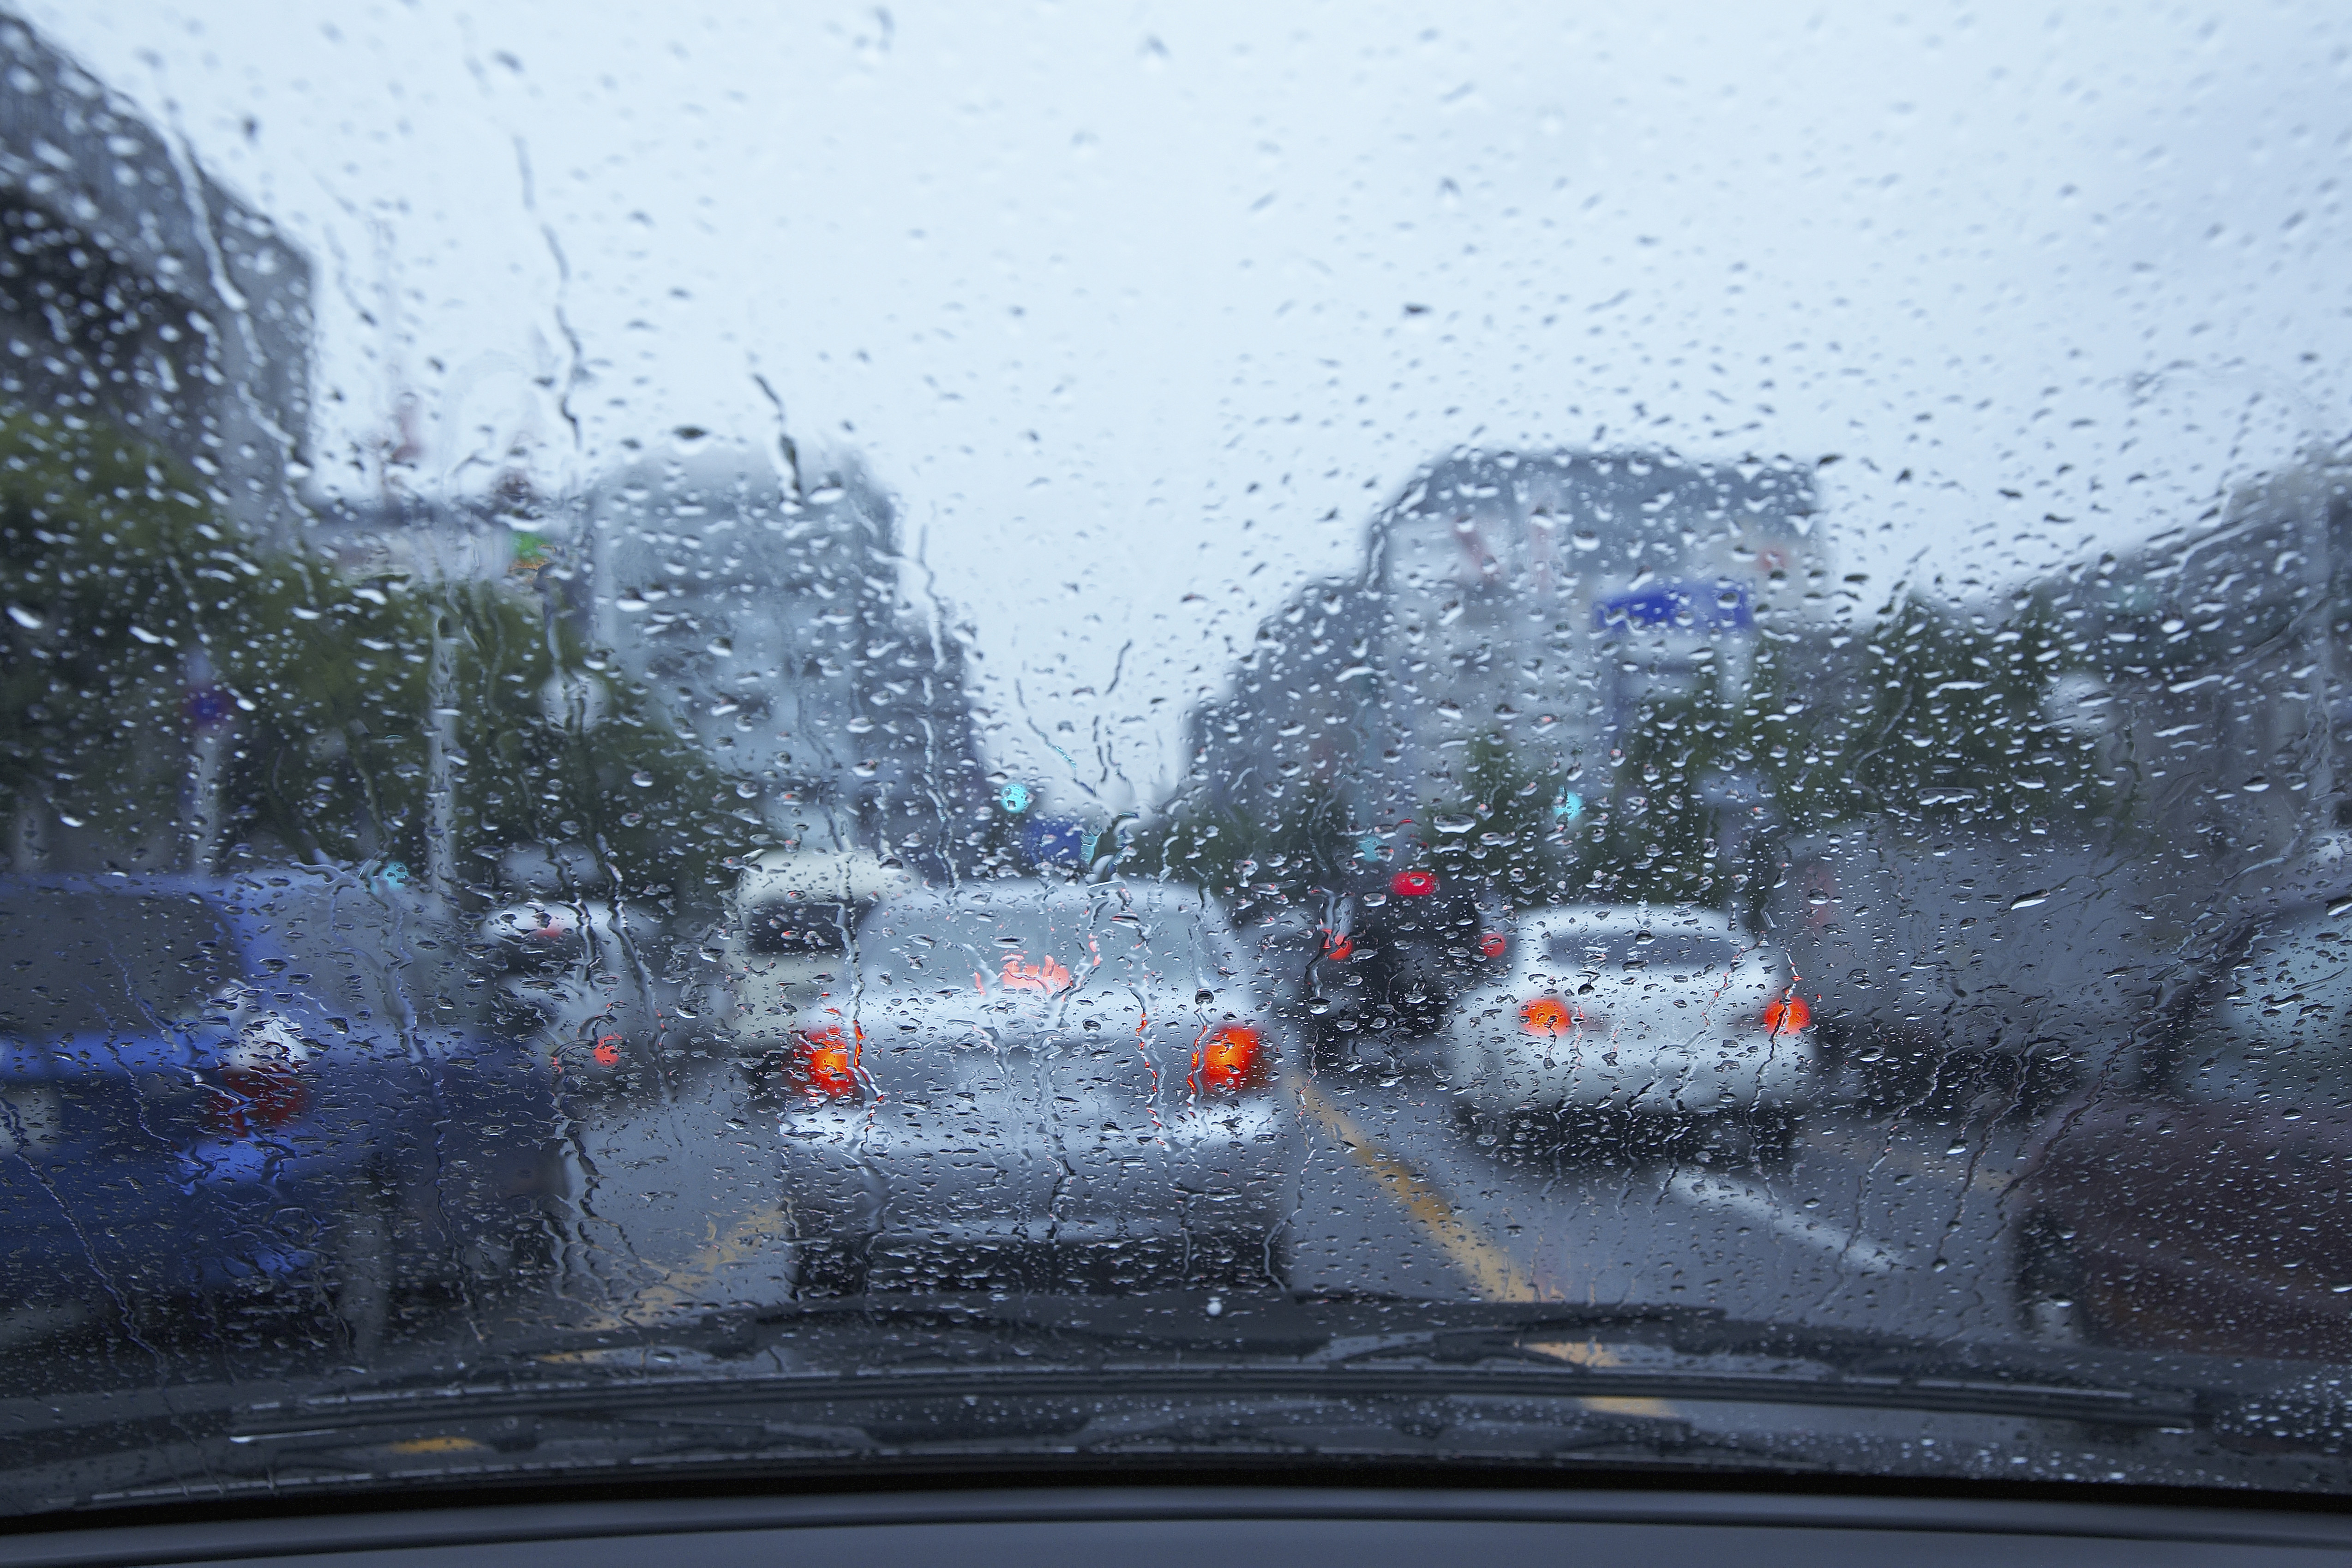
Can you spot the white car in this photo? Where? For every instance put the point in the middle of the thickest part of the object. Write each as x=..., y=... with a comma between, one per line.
x=1648, y=1014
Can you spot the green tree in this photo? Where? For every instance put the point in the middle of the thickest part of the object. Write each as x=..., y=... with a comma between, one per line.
x=128, y=596
x=1945, y=719
x=1310, y=843
x=1503, y=825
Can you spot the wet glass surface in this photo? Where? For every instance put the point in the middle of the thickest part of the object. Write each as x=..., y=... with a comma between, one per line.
x=785, y=743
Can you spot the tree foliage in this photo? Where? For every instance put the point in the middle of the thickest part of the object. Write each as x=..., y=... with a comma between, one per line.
x=137, y=611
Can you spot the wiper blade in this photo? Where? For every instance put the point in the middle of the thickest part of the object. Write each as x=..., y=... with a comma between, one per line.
x=1394, y=1333
x=1157, y=1322
x=1324, y=1347
x=1781, y=1363
x=623, y=1398
x=1208, y=1417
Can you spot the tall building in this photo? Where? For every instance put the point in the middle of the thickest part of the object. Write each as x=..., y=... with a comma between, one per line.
x=136, y=291
x=2220, y=697
x=1539, y=605
x=781, y=626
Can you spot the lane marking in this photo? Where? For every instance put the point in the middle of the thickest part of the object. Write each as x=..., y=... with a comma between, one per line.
x=1491, y=1270
x=755, y=1234
x=1848, y=1247
x=1984, y=1180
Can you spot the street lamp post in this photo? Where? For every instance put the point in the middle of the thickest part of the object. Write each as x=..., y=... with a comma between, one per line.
x=211, y=716
x=440, y=765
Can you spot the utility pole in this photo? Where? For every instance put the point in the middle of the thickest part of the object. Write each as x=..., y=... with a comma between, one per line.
x=441, y=764
x=211, y=717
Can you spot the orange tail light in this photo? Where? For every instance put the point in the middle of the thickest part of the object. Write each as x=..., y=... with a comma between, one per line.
x=1548, y=1015
x=1229, y=1058
x=1787, y=1016
x=825, y=1062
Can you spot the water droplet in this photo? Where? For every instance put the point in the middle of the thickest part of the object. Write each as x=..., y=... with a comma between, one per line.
x=642, y=779
x=25, y=617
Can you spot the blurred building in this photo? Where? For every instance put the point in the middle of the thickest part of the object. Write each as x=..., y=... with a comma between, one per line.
x=135, y=290
x=781, y=626
x=1537, y=605
x=137, y=294
x=2218, y=691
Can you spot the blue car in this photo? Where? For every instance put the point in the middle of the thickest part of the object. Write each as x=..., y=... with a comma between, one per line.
x=274, y=1088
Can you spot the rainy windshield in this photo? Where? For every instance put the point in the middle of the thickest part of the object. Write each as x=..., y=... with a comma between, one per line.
x=82, y=964
x=1044, y=940
x=1676, y=950
x=1481, y=736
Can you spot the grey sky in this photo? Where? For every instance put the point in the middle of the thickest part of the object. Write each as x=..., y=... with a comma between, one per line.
x=1117, y=298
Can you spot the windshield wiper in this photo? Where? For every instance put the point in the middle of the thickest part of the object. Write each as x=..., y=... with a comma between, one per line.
x=1171, y=1345
x=958, y=1381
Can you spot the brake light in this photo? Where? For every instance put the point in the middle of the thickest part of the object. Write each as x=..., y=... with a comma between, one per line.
x=825, y=1062
x=258, y=1086
x=1229, y=1058
x=1548, y=1015
x=1787, y=1015
x=1413, y=884
x=250, y=1100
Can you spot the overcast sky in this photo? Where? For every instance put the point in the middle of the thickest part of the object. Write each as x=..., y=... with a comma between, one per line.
x=1132, y=301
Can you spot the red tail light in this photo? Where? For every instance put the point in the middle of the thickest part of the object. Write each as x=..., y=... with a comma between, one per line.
x=825, y=1062
x=1787, y=1016
x=250, y=1100
x=1494, y=945
x=1413, y=884
x=1229, y=1058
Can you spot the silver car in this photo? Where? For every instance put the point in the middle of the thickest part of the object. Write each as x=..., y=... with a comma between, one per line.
x=1036, y=1086
x=1663, y=1015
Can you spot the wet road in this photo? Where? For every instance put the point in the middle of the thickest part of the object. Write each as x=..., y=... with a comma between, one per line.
x=1892, y=1224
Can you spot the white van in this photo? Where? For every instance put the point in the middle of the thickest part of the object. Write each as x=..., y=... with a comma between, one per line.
x=786, y=946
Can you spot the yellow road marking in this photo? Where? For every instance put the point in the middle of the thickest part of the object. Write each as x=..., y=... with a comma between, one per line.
x=1491, y=1270
x=754, y=1233
x=436, y=1446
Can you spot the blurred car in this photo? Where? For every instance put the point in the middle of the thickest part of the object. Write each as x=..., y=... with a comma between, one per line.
x=271, y=1088
x=2198, y=1195
x=789, y=923
x=1958, y=967
x=1028, y=1084
x=1637, y=1015
x=1389, y=958
x=572, y=979
x=570, y=985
